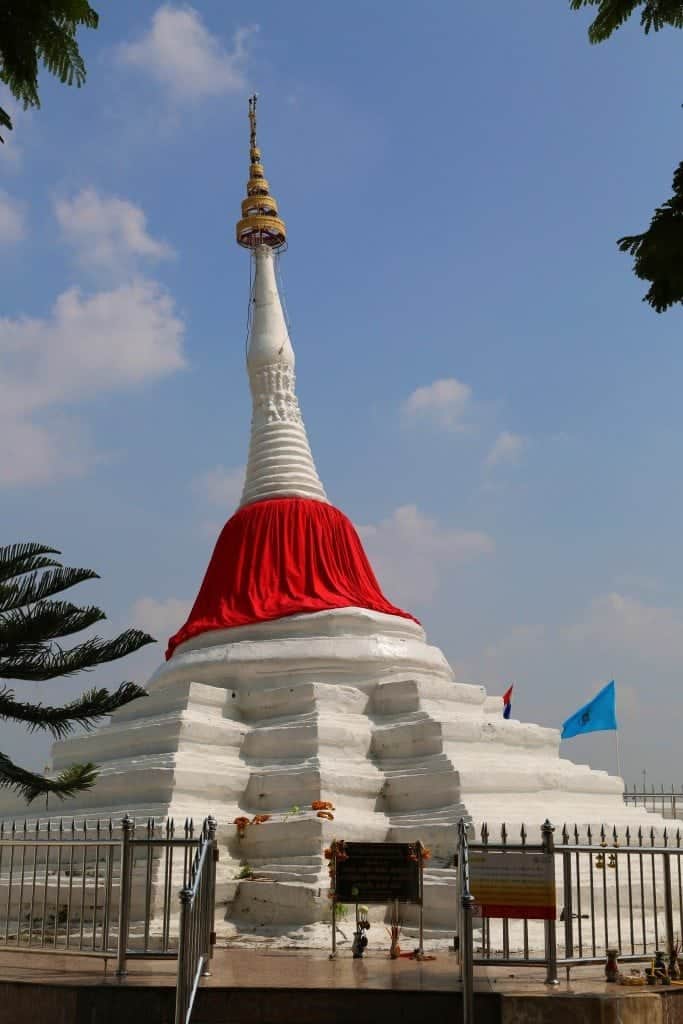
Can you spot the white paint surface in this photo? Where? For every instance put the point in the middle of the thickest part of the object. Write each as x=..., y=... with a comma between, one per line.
x=280, y=461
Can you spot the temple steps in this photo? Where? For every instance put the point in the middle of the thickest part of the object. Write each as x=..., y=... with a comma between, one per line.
x=413, y=736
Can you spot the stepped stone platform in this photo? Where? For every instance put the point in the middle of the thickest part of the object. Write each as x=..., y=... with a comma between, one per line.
x=273, y=987
x=348, y=706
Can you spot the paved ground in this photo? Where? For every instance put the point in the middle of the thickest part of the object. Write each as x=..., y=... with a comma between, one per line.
x=306, y=987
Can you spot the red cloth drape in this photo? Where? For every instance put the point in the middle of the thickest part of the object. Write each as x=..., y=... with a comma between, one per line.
x=283, y=556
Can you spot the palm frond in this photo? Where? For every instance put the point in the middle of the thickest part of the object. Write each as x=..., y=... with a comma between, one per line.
x=24, y=629
x=37, y=586
x=16, y=559
x=85, y=711
x=72, y=780
x=49, y=662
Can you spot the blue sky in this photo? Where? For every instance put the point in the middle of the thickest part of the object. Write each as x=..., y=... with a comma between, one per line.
x=486, y=395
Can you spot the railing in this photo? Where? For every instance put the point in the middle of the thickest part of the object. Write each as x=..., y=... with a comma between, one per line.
x=465, y=926
x=613, y=891
x=197, y=934
x=59, y=887
x=99, y=889
x=667, y=802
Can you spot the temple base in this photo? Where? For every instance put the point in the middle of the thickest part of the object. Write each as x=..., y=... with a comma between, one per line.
x=348, y=706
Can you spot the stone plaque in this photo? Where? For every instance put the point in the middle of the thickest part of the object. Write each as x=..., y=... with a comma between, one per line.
x=378, y=873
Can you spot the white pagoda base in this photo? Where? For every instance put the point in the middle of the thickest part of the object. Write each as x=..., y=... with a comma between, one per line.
x=350, y=706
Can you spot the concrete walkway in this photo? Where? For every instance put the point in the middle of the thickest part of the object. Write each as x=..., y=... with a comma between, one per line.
x=278, y=987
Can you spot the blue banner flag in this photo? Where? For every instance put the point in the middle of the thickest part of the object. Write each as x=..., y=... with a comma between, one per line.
x=599, y=714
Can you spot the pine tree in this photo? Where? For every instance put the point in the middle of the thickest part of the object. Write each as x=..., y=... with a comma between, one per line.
x=40, y=31
x=32, y=624
x=658, y=251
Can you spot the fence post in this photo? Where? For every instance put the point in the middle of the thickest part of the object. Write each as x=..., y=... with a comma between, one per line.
x=210, y=923
x=567, y=903
x=465, y=928
x=547, y=831
x=184, y=952
x=125, y=886
x=668, y=905
x=467, y=958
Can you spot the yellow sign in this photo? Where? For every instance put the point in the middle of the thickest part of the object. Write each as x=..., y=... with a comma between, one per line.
x=518, y=885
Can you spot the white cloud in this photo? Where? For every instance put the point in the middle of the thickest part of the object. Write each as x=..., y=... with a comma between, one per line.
x=160, y=618
x=445, y=402
x=88, y=345
x=33, y=452
x=507, y=448
x=518, y=640
x=180, y=52
x=12, y=219
x=220, y=486
x=409, y=552
x=617, y=625
x=108, y=232
x=614, y=636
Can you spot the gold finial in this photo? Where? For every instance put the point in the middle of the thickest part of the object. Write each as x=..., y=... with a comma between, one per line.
x=260, y=224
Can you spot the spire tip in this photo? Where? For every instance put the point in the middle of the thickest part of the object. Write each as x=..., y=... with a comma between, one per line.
x=260, y=223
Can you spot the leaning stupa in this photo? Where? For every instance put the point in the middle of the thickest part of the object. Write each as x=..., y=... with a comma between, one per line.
x=295, y=680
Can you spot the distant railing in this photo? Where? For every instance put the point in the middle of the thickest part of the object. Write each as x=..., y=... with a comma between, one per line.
x=620, y=891
x=667, y=802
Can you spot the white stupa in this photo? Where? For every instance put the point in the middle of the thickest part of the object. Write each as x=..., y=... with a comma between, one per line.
x=295, y=680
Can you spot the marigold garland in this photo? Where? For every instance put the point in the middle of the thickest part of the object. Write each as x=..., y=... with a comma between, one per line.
x=416, y=852
x=258, y=819
x=322, y=805
x=241, y=824
x=325, y=814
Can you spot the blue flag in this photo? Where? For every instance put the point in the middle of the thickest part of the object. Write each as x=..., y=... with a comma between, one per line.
x=600, y=713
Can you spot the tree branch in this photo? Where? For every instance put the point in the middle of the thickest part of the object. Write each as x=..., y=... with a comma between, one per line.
x=60, y=721
x=75, y=779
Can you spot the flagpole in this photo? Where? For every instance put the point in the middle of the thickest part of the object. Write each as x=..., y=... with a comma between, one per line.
x=616, y=740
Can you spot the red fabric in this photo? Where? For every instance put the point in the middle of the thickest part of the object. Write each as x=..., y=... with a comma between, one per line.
x=283, y=556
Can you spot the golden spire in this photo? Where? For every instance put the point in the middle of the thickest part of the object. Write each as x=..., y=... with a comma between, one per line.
x=260, y=224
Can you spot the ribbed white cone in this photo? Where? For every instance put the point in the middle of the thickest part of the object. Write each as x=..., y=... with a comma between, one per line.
x=280, y=460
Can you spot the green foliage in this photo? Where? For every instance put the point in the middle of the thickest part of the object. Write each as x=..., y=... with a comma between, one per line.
x=612, y=14
x=246, y=871
x=31, y=624
x=34, y=32
x=658, y=251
